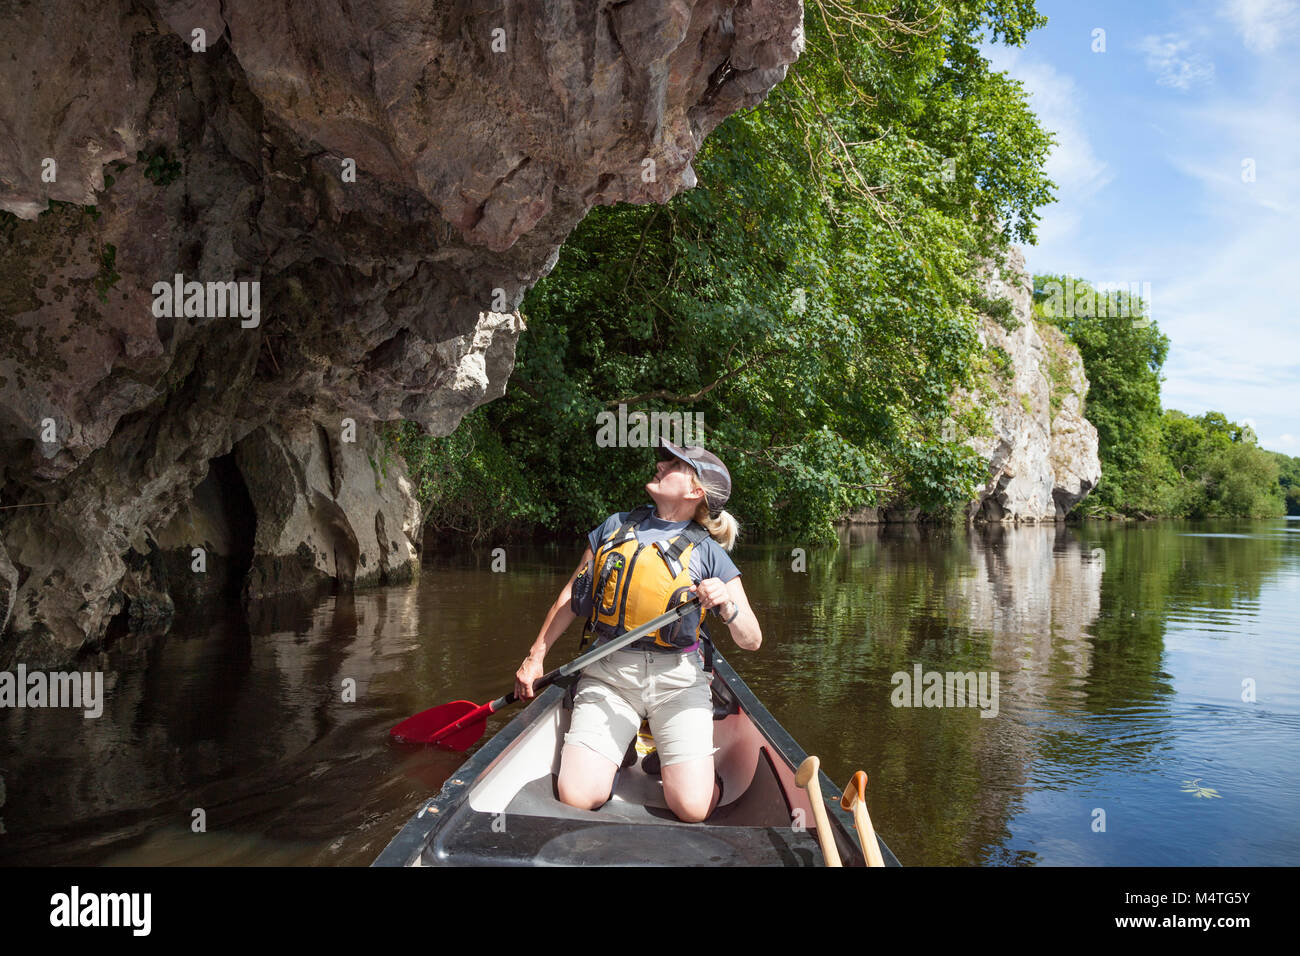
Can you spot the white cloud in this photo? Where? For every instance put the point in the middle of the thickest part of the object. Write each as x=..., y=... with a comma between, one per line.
x=1057, y=227
x=1263, y=24
x=1223, y=283
x=1054, y=97
x=1165, y=58
x=1224, y=182
x=1217, y=249
x=1072, y=164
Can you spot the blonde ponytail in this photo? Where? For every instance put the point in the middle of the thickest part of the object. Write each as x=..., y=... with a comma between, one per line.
x=723, y=529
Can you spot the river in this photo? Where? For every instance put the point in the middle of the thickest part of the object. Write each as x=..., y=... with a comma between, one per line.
x=1147, y=709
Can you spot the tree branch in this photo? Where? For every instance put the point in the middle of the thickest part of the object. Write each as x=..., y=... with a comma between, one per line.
x=666, y=396
x=645, y=231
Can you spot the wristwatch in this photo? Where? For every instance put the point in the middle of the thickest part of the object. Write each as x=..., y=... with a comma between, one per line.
x=728, y=620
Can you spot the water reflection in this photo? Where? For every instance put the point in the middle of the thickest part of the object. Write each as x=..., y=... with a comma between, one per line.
x=1147, y=677
x=271, y=726
x=1121, y=651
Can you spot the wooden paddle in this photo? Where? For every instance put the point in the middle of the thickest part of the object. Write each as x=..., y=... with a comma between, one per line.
x=459, y=724
x=807, y=777
x=855, y=801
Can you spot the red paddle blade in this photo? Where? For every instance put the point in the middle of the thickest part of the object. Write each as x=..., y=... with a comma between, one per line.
x=422, y=728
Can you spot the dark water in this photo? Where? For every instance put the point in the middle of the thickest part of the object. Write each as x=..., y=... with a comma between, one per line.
x=1120, y=651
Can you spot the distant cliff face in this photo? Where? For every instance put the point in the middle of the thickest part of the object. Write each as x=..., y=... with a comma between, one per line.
x=1042, y=451
x=272, y=219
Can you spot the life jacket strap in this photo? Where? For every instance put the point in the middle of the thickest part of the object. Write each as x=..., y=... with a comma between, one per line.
x=694, y=534
x=634, y=518
x=706, y=648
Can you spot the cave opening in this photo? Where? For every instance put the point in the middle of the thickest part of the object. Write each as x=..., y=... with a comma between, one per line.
x=241, y=520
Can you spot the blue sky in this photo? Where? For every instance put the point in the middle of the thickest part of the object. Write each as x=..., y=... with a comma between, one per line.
x=1152, y=136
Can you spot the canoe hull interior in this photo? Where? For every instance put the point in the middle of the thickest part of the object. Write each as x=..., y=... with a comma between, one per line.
x=501, y=807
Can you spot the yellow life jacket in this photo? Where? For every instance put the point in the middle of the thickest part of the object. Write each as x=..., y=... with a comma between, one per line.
x=625, y=586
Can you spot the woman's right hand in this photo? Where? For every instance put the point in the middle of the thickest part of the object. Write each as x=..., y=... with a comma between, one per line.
x=529, y=671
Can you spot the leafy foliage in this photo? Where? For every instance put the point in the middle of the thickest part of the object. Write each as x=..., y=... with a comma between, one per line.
x=1154, y=462
x=1001, y=310
x=108, y=276
x=1220, y=468
x=1123, y=353
x=813, y=298
x=1289, y=480
x=467, y=483
x=160, y=168
x=1058, y=378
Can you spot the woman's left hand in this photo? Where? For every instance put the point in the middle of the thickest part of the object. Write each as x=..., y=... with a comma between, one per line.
x=732, y=606
x=712, y=593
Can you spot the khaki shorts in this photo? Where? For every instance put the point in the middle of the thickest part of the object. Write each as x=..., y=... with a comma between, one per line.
x=668, y=689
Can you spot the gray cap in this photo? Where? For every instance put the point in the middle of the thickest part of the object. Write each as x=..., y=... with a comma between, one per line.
x=712, y=472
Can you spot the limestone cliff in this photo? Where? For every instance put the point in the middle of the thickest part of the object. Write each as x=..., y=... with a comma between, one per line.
x=377, y=184
x=1042, y=451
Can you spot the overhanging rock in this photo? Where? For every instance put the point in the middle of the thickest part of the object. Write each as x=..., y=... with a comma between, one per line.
x=392, y=177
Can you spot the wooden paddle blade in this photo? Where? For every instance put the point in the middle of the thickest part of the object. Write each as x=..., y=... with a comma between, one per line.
x=855, y=791
x=421, y=728
x=807, y=771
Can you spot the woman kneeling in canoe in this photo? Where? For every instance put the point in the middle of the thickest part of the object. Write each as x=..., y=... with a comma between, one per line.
x=637, y=565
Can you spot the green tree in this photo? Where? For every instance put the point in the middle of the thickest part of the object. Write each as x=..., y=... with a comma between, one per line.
x=1154, y=462
x=1221, y=469
x=1289, y=480
x=1123, y=352
x=813, y=298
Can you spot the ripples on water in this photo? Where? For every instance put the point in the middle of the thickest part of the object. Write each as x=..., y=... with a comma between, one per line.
x=1121, y=652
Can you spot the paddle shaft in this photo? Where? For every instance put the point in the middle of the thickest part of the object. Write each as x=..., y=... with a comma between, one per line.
x=867, y=834
x=808, y=776
x=578, y=663
x=824, y=835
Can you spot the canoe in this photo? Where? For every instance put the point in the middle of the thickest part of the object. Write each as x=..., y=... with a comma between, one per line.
x=500, y=808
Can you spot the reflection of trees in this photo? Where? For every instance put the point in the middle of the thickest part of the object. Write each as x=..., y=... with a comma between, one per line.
x=246, y=719
x=1071, y=617
x=1016, y=600
x=228, y=715
x=1158, y=574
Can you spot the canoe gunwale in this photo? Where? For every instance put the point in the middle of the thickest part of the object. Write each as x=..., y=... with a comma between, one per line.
x=409, y=846
x=845, y=829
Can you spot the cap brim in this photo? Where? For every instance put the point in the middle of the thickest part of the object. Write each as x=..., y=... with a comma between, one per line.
x=668, y=450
